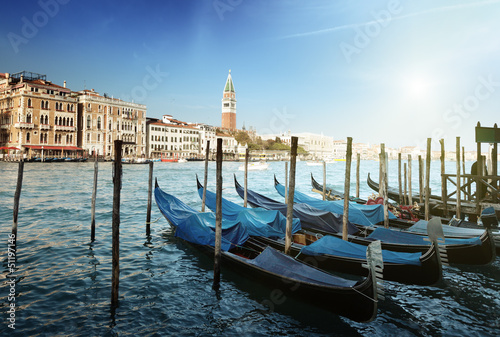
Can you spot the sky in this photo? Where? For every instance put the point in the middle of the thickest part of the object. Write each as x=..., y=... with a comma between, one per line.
x=394, y=72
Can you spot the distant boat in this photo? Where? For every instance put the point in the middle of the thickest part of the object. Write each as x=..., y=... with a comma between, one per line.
x=314, y=163
x=255, y=166
x=182, y=160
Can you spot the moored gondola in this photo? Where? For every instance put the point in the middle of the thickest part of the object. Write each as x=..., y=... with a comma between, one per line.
x=356, y=300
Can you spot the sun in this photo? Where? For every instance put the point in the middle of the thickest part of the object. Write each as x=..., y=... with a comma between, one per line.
x=418, y=87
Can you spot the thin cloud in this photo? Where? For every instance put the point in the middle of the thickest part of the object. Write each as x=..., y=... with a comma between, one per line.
x=430, y=11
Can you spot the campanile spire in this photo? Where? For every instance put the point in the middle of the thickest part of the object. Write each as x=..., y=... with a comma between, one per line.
x=229, y=104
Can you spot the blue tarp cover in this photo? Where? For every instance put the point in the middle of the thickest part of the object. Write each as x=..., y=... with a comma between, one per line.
x=310, y=217
x=272, y=260
x=259, y=221
x=365, y=215
x=421, y=227
x=392, y=236
x=198, y=228
x=331, y=245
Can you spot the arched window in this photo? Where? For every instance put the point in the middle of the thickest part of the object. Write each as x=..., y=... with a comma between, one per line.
x=29, y=103
x=46, y=119
x=28, y=137
x=71, y=122
x=88, y=122
x=28, y=118
x=42, y=105
x=109, y=125
x=99, y=123
x=46, y=104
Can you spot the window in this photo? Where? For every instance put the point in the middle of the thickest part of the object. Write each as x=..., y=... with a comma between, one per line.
x=88, y=122
x=99, y=123
x=29, y=103
x=88, y=137
x=98, y=138
x=28, y=137
x=28, y=118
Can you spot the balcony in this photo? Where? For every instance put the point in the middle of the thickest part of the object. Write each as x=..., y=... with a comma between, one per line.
x=64, y=128
x=44, y=126
x=5, y=126
x=24, y=125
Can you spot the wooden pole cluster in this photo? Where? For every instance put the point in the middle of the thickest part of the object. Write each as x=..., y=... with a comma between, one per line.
x=444, y=189
x=291, y=190
x=218, y=217
x=347, y=186
x=427, y=178
x=358, y=159
x=204, y=198
x=150, y=193
x=246, y=179
x=117, y=185
x=410, y=197
x=92, y=211
x=459, y=197
x=17, y=196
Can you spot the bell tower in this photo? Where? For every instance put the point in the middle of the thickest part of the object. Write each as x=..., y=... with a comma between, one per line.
x=229, y=105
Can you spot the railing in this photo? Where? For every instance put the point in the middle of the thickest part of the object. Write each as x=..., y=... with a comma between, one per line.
x=64, y=128
x=5, y=126
x=44, y=126
x=24, y=125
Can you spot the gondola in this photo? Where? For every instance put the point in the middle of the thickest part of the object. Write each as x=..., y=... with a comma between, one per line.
x=354, y=299
x=393, y=193
x=332, y=253
x=474, y=251
x=333, y=194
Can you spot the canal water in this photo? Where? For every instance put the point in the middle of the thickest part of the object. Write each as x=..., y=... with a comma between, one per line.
x=63, y=281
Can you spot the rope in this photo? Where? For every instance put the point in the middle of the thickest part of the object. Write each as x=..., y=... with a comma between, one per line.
x=368, y=297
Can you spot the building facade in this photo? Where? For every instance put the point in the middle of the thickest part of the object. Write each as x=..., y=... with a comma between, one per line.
x=171, y=139
x=37, y=115
x=102, y=120
x=229, y=105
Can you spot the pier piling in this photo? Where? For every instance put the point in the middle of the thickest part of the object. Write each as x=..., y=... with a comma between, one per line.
x=17, y=196
x=117, y=185
x=291, y=190
x=347, y=186
x=427, y=178
x=421, y=178
x=246, y=179
x=459, y=197
x=94, y=195
x=286, y=182
x=401, y=200
x=218, y=217
x=444, y=188
x=207, y=152
x=410, y=197
x=405, y=185
x=358, y=159
x=324, y=180
x=150, y=192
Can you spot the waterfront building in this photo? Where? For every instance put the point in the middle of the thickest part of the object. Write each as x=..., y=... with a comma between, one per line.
x=170, y=138
x=37, y=116
x=103, y=119
x=229, y=105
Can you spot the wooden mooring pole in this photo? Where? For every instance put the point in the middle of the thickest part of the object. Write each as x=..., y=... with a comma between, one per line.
x=150, y=193
x=410, y=197
x=459, y=197
x=324, y=180
x=246, y=179
x=92, y=211
x=117, y=185
x=384, y=189
x=444, y=187
x=347, y=186
x=17, y=196
x=291, y=190
x=286, y=182
x=421, y=178
x=218, y=217
x=427, y=178
x=405, y=185
x=358, y=159
x=207, y=153
x=401, y=200
x=381, y=162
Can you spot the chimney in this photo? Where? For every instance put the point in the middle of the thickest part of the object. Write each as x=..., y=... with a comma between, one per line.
x=64, y=85
x=21, y=78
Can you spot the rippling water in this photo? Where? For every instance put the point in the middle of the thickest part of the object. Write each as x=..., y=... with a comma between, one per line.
x=64, y=281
